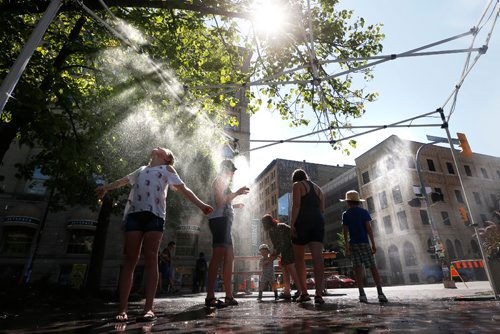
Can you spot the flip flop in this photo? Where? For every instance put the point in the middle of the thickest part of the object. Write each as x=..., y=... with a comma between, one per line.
x=147, y=317
x=121, y=317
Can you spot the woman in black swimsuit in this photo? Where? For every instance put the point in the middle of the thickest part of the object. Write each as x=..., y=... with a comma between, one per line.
x=308, y=228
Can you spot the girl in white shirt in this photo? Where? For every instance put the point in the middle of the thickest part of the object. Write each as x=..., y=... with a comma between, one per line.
x=144, y=219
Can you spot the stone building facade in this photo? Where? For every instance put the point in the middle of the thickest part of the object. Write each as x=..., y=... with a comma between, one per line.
x=388, y=180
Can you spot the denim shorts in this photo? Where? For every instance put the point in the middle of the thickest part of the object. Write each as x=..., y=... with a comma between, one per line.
x=221, y=231
x=144, y=221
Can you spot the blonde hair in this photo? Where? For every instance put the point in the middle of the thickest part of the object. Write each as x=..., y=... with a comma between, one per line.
x=168, y=156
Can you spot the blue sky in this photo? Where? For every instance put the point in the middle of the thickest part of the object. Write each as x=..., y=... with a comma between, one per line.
x=410, y=86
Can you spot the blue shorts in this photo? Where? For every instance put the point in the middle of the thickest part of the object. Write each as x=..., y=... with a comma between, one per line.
x=221, y=231
x=144, y=221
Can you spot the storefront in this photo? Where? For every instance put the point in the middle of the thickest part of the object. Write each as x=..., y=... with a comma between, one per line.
x=19, y=228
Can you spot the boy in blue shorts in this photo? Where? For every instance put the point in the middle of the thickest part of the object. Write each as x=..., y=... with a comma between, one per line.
x=358, y=235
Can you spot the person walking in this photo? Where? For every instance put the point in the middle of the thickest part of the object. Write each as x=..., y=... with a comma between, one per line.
x=166, y=281
x=358, y=234
x=220, y=222
x=200, y=273
x=281, y=237
x=144, y=221
x=267, y=278
x=308, y=229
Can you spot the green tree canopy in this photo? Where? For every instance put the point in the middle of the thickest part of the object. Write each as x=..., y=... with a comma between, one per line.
x=94, y=104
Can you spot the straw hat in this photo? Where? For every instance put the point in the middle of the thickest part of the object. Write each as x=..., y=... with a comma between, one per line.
x=263, y=246
x=352, y=196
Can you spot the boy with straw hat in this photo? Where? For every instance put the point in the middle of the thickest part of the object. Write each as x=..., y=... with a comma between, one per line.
x=358, y=235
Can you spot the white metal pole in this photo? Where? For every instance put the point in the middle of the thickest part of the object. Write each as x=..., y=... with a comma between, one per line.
x=10, y=81
x=471, y=216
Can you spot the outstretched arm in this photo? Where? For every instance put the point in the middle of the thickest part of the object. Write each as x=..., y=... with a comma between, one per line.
x=221, y=198
x=190, y=195
x=102, y=190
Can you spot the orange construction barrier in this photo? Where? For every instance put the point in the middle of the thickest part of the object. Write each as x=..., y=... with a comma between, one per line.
x=454, y=272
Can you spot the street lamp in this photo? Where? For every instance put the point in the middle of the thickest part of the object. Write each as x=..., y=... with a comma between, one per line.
x=438, y=245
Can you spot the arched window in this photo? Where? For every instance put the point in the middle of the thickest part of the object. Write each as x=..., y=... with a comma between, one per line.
x=396, y=270
x=409, y=254
x=380, y=259
x=450, y=250
x=475, y=247
x=459, y=249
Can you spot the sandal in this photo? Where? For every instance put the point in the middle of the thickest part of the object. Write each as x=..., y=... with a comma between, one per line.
x=318, y=300
x=147, y=317
x=214, y=302
x=121, y=317
x=231, y=301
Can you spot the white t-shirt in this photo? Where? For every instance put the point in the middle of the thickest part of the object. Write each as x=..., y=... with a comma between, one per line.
x=149, y=189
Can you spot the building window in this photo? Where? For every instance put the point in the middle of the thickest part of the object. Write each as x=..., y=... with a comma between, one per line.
x=80, y=242
x=370, y=204
x=459, y=249
x=390, y=163
x=477, y=198
x=387, y=225
x=468, y=171
x=396, y=195
x=17, y=239
x=36, y=185
x=409, y=254
x=403, y=220
x=459, y=197
x=380, y=259
x=485, y=173
x=366, y=177
x=431, y=166
x=446, y=218
x=449, y=166
x=439, y=191
x=424, y=217
x=475, y=247
x=450, y=250
x=382, y=198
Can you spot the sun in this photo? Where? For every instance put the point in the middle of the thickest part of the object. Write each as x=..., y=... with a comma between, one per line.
x=269, y=17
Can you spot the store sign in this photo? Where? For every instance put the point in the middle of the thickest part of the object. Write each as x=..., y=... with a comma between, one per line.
x=188, y=229
x=82, y=223
x=20, y=220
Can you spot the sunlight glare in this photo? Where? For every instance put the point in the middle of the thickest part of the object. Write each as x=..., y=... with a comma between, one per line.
x=269, y=17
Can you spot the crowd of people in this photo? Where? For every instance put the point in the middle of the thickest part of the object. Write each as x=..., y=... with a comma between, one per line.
x=144, y=223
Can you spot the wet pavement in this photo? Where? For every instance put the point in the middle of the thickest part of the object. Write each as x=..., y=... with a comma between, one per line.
x=411, y=309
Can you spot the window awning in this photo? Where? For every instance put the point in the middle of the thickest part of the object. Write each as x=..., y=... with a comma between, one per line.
x=21, y=221
x=23, y=214
x=82, y=219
